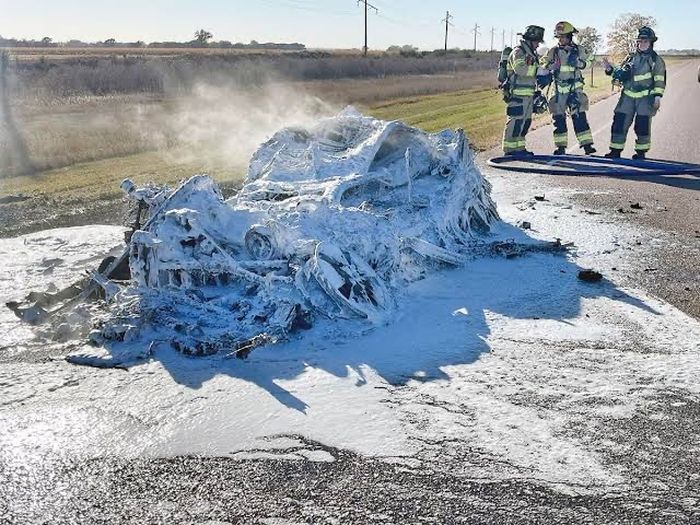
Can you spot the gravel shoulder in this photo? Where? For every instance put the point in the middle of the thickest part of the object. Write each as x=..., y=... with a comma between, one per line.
x=344, y=489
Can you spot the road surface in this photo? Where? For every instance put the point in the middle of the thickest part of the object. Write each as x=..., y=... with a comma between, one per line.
x=532, y=397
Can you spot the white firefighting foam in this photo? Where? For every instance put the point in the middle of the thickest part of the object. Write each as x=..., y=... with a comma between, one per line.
x=331, y=220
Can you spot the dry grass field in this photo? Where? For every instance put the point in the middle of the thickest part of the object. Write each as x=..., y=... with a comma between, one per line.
x=78, y=108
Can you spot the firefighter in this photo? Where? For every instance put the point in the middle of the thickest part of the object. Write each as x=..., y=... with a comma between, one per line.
x=519, y=90
x=643, y=78
x=565, y=62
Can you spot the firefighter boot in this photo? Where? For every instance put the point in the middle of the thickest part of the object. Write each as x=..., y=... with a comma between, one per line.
x=520, y=153
x=589, y=149
x=561, y=150
x=613, y=153
x=640, y=155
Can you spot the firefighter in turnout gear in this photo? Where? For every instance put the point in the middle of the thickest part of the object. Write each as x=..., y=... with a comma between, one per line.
x=519, y=90
x=566, y=62
x=643, y=79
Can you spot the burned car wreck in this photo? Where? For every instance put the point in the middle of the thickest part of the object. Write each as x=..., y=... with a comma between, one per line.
x=330, y=222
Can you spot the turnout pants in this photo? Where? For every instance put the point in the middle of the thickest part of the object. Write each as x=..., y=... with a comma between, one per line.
x=519, y=112
x=576, y=103
x=641, y=110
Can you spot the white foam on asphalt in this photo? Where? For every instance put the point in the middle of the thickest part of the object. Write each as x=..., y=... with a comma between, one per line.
x=503, y=357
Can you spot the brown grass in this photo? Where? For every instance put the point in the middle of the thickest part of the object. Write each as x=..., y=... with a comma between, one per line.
x=46, y=76
x=63, y=131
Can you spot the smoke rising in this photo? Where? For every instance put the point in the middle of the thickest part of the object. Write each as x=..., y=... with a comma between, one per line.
x=216, y=121
x=11, y=140
x=226, y=123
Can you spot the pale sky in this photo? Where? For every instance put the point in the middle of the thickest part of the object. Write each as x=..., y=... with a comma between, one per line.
x=331, y=23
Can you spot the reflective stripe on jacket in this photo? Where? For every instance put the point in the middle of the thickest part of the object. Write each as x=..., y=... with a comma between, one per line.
x=567, y=63
x=648, y=76
x=522, y=70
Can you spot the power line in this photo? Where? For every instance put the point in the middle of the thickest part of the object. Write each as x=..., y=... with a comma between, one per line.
x=367, y=6
x=493, y=32
x=447, y=26
x=381, y=4
x=476, y=32
x=292, y=4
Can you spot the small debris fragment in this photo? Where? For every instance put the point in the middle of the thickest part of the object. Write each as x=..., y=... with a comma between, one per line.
x=525, y=225
x=591, y=212
x=540, y=198
x=650, y=269
x=636, y=206
x=590, y=276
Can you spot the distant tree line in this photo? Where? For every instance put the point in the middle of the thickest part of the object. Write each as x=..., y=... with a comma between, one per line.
x=202, y=39
x=682, y=52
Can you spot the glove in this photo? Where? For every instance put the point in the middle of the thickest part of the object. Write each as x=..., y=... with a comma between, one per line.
x=544, y=79
x=657, y=103
x=607, y=66
x=529, y=60
x=622, y=74
x=556, y=63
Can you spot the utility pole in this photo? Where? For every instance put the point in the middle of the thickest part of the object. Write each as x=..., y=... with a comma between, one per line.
x=503, y=39
x=476, y=32
x=447, y=18
x=511, y=37
x=493, y=32
x=367, y=6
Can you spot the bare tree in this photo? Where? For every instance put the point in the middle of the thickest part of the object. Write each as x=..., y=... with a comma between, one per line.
x=622, y=38
x=589, y=39
x=202, y=36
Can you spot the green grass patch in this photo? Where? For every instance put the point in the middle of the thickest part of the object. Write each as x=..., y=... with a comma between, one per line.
x=480, y=112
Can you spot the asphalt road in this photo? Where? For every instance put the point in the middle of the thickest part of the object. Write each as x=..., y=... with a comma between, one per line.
x=670, y=204
x=656, y=448
x=674, y=131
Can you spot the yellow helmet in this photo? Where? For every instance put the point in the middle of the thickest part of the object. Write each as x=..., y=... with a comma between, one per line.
x=564, y=28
